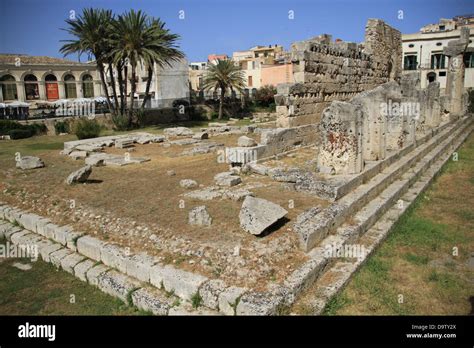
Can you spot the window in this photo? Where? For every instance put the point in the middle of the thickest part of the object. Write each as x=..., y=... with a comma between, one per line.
x=431, y=77
x=469, y=60
x=438, y=61
x=411, y=45
x=442, y=73
x=410, y=62
x=9, y=87
x=87, y=86
x=250, y=84
x=31, y=87
x=442, y=27
x=70, y=87
x=439, y=44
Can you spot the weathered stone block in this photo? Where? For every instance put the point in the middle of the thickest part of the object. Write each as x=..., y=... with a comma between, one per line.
x=258, y=214
x=81, y=269
x=117, y=284
x=47, y=248
x=151, y=300
x=210, y=292
x=229, y=298
x=93, y=273
x=90, y=247
x=115, y=257
x=69, y=262
x=184, y=284
x=56, y=257
x=139, y=266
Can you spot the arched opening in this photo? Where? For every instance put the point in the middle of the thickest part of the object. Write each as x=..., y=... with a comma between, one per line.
x=8, y=85
x=87, y=86
x=31, y=87
x=70, y=87
x=431, y=77
x=52, y=91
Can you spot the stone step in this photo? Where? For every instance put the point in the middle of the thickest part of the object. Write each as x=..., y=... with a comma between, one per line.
x=375, y=221
x=313, y=229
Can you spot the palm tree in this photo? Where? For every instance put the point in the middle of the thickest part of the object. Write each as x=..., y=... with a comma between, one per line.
x=224, y=75
x=165, y=51
x=92, y=30
x=139, y=39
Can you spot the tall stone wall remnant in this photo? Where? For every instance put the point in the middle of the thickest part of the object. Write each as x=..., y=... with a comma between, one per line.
x=341, y=148
x=325, y=71
x=374, y=123
x=455, y=100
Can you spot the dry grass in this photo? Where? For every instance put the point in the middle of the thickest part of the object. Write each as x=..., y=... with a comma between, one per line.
x=141, y=201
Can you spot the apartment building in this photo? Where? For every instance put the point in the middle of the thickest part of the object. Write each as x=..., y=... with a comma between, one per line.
x=423, y=51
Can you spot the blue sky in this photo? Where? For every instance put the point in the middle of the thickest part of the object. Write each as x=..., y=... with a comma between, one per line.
x=222, y=26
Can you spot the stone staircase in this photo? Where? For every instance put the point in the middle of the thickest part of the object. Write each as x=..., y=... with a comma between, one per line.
x=365, y=216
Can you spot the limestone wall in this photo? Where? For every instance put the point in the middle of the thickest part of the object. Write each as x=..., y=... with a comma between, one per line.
x=375, y=123
x=325, y=71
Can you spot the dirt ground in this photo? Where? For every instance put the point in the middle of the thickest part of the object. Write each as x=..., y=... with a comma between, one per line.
x=142, y=207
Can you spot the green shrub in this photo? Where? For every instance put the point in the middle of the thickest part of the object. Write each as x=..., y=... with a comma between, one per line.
x=61, y=127
x=21, y=133
x=120, y=122
x=6, y=126
x=38, y=128
x=17, y=130
x=86, y=129
x=265, y=96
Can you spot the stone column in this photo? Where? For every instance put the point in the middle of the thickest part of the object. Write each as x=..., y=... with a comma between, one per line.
x=341, y=139
x=98, y=90
x=42, y=90
x=79, y=89
x=456, y=71
x=20, y=90
x=61, y=90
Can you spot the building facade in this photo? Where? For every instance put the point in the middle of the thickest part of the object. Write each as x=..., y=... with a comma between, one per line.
x=35, y=79
x=263, y=65
x=423, y=51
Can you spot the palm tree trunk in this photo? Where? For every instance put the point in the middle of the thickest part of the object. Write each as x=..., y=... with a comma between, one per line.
x=125, y=85
x=148, y=84
x=221, y=103
x=120, y=81
x=112, y=81
x=104, y=86
x=133, y=87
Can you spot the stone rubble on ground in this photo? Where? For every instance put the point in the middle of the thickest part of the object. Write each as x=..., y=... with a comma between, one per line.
x=257, y=214
x=199, y=216
x=79, y=176
x=29, y=162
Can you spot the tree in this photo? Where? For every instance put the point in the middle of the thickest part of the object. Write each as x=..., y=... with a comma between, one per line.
x=91, y=30
x=265, y=95
x=121, y=43
x=139, y=39
x=222, y=76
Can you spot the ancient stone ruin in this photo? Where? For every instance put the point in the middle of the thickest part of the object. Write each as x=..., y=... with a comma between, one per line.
x=354, y=137
x=325, y=71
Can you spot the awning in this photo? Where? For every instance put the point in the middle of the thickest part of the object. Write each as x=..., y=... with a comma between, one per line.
x=17, y=104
